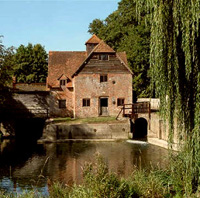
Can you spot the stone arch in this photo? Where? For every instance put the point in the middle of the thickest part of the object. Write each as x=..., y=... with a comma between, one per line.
x=140, y=128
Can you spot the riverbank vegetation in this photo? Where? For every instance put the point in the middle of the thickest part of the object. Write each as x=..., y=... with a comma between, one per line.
x=99, y=182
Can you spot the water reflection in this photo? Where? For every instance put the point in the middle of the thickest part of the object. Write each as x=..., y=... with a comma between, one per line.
x=25, y=166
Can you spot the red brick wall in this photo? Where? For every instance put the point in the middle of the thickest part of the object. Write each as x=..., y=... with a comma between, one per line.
x=89, y=86
x=67, y=95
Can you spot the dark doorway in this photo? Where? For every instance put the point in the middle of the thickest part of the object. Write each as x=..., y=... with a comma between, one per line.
x=103, y=106
x=140, y=130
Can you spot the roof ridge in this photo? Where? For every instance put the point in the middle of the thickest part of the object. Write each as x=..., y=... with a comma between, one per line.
x=68, y=51
x=94, y=39
x=104, y=43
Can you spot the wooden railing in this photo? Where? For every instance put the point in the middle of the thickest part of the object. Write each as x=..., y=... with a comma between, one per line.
x=130, y=110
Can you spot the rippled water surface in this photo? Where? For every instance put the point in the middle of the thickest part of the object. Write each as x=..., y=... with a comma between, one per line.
x=27, y=167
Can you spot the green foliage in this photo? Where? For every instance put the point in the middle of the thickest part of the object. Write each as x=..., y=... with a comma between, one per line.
x=99, y=182
x=29, y=194
x=122, y=32
x=31, y=63
x=6, y=64
x=84, y=120
x=175, y=71
x=6, y=70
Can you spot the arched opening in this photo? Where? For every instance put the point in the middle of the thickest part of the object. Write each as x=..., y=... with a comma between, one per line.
x=29, y=129
x=140, y=130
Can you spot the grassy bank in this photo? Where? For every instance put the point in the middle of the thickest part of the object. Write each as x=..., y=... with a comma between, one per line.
x=69, y=120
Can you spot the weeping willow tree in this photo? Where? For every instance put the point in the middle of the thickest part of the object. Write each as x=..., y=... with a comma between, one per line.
x=175, y=73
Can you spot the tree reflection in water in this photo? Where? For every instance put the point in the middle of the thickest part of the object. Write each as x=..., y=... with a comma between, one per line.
x=21, y=164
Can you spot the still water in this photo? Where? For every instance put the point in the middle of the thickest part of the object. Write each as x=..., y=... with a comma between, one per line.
x=27, y=167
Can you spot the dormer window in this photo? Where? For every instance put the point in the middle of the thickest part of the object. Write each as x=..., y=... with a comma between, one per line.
x=62, y=82
x=103, y=57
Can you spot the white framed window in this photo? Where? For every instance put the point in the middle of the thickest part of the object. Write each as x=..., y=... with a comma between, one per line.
x=103, y=56
x=86, y=102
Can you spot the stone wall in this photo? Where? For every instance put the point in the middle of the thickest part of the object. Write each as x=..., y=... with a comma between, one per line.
x=29, y=86
x=31, y=100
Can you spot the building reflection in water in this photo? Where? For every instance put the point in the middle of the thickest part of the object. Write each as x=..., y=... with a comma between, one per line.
x=21, y=168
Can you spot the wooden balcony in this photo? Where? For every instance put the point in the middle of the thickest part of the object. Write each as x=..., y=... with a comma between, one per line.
x=131, y=110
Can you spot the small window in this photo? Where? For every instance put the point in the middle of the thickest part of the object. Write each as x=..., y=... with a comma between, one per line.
x=68, y=80
x=62, y=82
x=120, y=101
x=103, y=78
x=86, y=102
x=103, y=57
x=62, y=104
x=95, y=56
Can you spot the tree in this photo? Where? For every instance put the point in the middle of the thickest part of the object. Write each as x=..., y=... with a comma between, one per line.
x=31, y=63
x=6, y=71
x=6, y=65
x=175, y=71
x=122, y=31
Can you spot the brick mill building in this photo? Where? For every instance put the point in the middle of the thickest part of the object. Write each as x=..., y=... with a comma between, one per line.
x=92, y=83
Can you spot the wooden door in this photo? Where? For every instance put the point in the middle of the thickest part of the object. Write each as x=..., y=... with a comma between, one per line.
x=104, y=106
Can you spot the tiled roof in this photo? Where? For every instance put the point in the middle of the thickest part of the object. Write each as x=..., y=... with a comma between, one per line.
x=123, y=58
x=103, y=47
x=94, y=39
x=62, y=77
x=63, y=63
x=122, y=55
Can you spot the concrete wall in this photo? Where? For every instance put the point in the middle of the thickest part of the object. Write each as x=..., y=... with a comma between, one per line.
x=89, y=86
x=155, y=102
x=160, y=128
x=56, y=132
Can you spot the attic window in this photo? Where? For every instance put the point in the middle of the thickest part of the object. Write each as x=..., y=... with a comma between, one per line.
x=103, y=57
x=62, y=82
x=103, y=78
x=92, y=45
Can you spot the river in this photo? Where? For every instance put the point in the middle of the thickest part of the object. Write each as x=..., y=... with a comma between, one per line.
x=27, y=167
